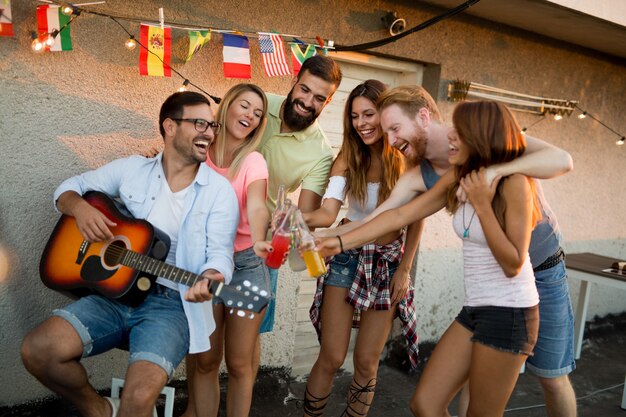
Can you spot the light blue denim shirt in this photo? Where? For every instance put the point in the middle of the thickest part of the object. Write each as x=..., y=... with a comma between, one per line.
x=207, y=229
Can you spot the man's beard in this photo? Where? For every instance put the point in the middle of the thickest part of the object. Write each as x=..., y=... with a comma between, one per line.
x=418, y=143
x=292, y=119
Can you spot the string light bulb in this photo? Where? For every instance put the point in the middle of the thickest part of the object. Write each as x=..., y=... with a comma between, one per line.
x=621, y=141
x=582, y=115
x=130, y=43
x=184, y=86
x=37, y=45
x=68, y=9
x=523, y=131
x=558, y=117
x=50, y=39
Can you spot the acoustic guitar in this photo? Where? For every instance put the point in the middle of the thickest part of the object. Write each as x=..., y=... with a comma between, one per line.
x=125, y=267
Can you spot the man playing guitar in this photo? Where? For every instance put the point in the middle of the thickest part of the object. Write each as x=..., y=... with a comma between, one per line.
x=180, y=195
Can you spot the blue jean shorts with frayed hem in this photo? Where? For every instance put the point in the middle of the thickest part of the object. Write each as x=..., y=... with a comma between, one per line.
x=554, y=352
x=155, y=331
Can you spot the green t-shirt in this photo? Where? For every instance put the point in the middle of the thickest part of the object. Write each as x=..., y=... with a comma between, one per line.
x=296, y=158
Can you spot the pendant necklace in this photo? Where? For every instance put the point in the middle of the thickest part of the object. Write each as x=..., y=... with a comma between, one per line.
x=466, y=229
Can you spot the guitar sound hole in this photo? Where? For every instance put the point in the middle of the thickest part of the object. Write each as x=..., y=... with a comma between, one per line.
x=113, y=254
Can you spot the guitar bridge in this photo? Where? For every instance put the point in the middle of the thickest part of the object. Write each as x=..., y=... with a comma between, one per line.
x=82, y=251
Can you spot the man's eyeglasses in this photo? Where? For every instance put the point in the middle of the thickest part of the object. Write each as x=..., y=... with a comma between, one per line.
x=202, y=125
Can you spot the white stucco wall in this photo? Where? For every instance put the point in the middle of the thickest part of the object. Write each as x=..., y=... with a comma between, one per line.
x=63, y=113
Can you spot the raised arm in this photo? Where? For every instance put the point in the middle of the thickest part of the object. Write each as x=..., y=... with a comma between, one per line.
x=423, y=206
x=540, y=160
x=408, y=186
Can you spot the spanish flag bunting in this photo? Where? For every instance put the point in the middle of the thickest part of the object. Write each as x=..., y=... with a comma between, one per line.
x=155, y=60
x=6, y=22
x=49, y=19
x=197, y=39
x=298, y=56
x=236, y=56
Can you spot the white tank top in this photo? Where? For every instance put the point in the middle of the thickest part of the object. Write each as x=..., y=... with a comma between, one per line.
x=485, y=281
x=356, y=212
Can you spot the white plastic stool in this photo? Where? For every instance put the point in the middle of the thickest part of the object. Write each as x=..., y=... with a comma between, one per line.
x=118, y=383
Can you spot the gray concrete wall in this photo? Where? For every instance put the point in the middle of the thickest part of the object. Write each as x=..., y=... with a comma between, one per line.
x=63, y=113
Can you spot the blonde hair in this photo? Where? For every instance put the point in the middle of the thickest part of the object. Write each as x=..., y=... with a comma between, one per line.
x=253, y=139
x=357, y=154
x=493, y=136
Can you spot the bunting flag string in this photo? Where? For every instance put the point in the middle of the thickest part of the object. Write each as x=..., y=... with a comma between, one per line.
x=155, y=59
x=273, y=55
x=6, y=22
x=197, y=39
x=51, y=20
x=298, y=56
x=236, y=56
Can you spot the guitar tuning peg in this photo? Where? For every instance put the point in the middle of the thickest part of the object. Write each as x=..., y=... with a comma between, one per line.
x=232, y=311
x=241, y=313
x=251, y=316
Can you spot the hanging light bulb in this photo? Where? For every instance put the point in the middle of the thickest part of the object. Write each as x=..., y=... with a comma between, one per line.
x=68, y=9
x=523, y=131
x=558, y=117
x=184, y=86
x=582, y=115
x=130, y=43
x=50, y=39
x=37, y=45
x=621, y=141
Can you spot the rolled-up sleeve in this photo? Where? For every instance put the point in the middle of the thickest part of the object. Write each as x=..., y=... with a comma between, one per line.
x=221, y=226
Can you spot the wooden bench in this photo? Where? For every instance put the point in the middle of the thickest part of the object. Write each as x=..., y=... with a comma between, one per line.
x=589, y=267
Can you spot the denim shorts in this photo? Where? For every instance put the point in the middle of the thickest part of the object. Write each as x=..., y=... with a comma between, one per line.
x=342, y=270
x=248, y=267
x=267, y=325
x=155, y=331
x=507, y=329
x=554, y=352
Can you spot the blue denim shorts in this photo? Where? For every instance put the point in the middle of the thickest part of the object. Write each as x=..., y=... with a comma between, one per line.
x=342, y=270
x=554, y=352
x=248, y=267
x=267, y=325
x=506, y=329
x=155, y=331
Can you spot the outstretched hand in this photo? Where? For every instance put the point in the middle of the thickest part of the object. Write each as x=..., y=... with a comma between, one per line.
x=328, y=246
x=399, y=285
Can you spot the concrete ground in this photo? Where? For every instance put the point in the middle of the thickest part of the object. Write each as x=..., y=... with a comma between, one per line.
x=598, y=382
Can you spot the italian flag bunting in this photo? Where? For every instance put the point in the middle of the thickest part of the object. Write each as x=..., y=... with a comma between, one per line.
x=6, y=22
x=155, y=60
x=49, y=19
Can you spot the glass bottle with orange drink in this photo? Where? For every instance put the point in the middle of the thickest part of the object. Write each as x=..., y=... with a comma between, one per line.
x=315, y=264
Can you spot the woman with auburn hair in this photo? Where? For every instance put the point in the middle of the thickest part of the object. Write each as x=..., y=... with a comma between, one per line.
x=496, y=329
x=364, y=173
x=242, y=115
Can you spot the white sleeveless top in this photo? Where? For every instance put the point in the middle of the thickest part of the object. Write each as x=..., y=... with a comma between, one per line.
x=356, y=212
x=485, y=281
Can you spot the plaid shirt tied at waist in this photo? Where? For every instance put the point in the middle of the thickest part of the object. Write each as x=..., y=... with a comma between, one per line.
x=371, y=289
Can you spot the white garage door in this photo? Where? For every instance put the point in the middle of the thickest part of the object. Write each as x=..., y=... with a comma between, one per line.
x=356, y=68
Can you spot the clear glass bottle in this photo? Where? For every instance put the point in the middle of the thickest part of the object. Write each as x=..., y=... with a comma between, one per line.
x=314, y=262
x=281, y=237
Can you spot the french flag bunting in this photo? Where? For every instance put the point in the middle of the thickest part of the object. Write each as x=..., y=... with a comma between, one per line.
x=236, y=56
x=273, y=54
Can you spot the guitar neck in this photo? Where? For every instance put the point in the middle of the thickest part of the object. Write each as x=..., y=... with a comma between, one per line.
x=153, y=266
